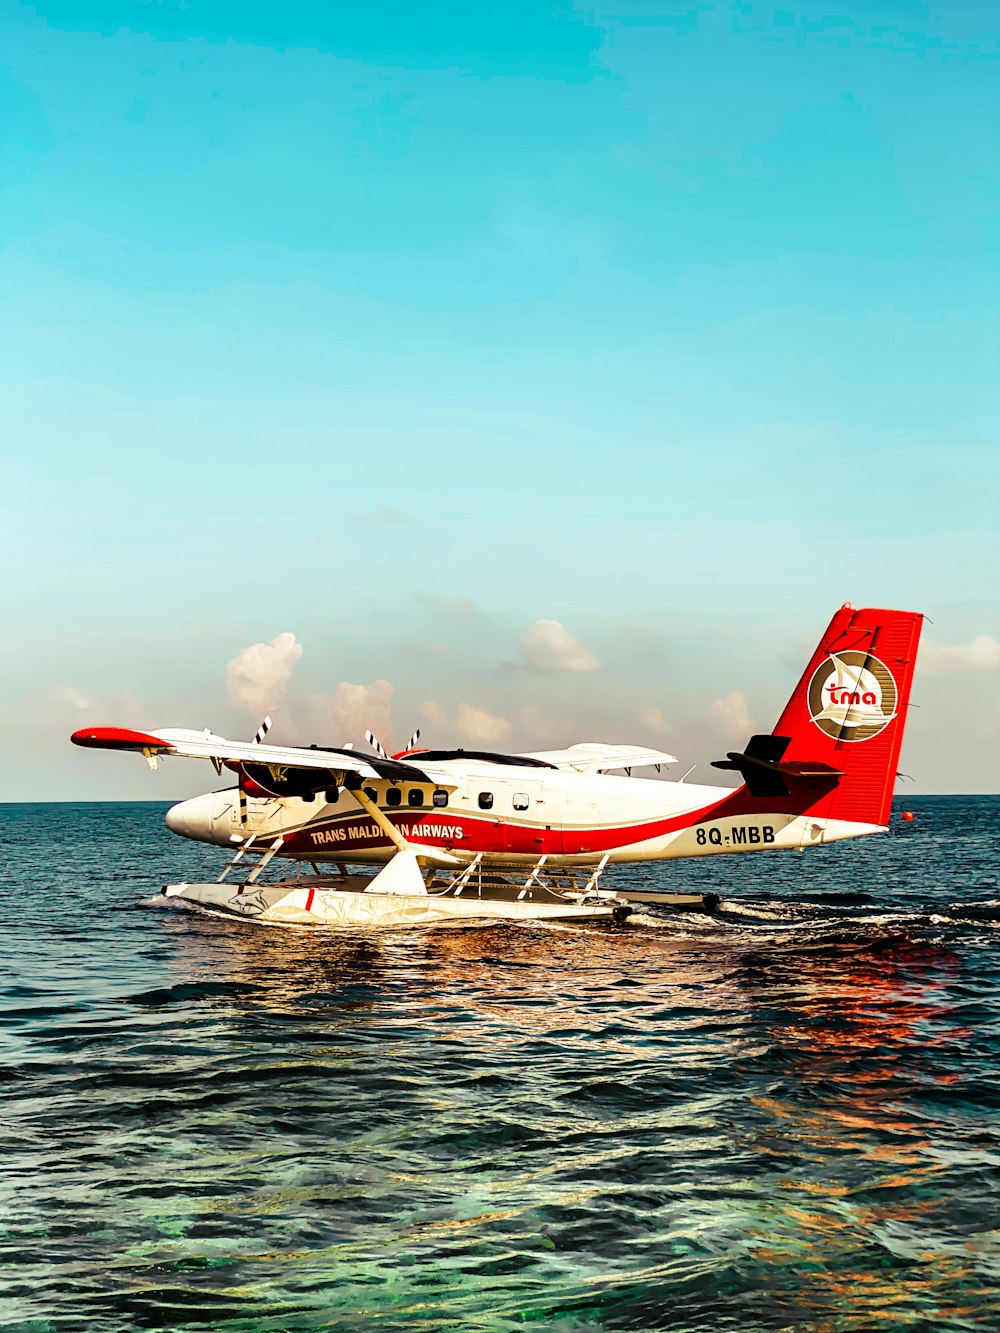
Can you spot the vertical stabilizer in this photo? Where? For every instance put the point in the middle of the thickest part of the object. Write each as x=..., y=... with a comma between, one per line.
x=849, y=709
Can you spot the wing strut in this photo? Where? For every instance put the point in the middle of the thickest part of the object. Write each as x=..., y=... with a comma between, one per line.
x=393, y=834
x=385, y=824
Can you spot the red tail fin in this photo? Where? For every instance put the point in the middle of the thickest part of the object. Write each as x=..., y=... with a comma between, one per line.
x=849, y=709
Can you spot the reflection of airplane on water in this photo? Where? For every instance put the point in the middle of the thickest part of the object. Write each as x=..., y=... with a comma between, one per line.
x=464, y=834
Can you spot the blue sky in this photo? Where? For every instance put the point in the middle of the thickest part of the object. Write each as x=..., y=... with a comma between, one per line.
x=401, y=328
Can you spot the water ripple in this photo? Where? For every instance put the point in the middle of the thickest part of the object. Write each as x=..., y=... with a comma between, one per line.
x=782, y=1116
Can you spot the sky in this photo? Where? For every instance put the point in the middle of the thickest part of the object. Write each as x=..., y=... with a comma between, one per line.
x=527, y=373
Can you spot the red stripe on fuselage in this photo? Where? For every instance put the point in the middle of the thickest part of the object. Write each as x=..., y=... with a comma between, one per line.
x=340, y=836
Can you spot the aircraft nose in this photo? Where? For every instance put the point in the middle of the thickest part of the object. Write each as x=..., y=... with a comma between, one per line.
x=202, y=818
x=177, y=820
x=194, y=818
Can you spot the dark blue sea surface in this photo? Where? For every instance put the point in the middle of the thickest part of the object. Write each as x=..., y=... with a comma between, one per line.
x=786, y=1116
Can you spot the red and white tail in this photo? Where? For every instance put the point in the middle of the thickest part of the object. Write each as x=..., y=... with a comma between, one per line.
x=835, y=749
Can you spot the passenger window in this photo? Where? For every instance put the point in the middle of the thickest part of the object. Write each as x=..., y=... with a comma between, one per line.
x=394, y=796
x=332, y=795
x=371, y=793
x=440, y=798
x=415, y=796
x=521, y=801
x=486, y=800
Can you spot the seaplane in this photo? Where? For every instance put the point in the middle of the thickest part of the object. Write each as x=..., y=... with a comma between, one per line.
x=428, y=836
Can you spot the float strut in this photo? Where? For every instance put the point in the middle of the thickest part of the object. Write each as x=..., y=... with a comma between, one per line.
x=271, y=852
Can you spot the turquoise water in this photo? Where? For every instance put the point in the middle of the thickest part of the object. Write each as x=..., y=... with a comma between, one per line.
x=784, y=1117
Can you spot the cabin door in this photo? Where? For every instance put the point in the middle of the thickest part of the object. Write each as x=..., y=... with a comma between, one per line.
x=580, y=821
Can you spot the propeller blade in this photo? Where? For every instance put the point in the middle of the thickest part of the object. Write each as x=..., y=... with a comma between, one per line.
x=410, y=745
x=258, y=739
x=376, y=744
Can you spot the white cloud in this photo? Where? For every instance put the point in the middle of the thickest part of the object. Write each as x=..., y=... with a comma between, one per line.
x=982, y=654
x=257, y=676
x=654, y=719
x=479, y=727
x=731, y=718
x=475, y=725
x=547, y=646
x=357, y=708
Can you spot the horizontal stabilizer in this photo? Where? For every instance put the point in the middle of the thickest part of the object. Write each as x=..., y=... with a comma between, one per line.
x=763, y=772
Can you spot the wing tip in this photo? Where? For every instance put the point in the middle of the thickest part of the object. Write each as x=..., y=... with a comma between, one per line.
x=118, y=738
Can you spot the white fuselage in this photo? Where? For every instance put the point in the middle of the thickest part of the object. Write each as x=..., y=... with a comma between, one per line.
x=512, y=814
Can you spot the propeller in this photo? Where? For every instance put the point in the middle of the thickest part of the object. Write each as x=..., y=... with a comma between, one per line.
x=262, y=731
x=380, y=749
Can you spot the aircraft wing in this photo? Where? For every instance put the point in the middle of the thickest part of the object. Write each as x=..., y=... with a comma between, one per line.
x=205, y=745
x=596, y=757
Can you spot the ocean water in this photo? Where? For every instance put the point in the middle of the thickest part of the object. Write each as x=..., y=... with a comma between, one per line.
x=787, y=1116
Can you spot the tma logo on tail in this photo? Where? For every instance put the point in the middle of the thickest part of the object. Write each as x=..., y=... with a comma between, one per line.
x=852, y=696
